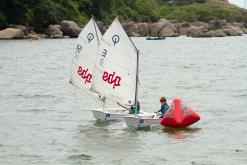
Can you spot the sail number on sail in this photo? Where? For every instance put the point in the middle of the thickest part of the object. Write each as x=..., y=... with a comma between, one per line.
x=78, y=50
x=83, y=73
x=103, y=55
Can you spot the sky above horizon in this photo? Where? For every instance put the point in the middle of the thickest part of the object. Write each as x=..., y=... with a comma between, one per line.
x=240, y=3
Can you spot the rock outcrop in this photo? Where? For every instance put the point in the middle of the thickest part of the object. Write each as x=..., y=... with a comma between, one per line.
x=217, y=24
x=54, y=31
x=70, y=28
x=216, y=28
x=101, y=26
x=199, y=23
x=232, y=31
x=31, y=36
x=163, y=28
x=215, y=33
x=169, y=30
x=242, y=26
x=184, y=28
x=11, y=33
x=199, y=31
x=136, y=29
x=21, y=27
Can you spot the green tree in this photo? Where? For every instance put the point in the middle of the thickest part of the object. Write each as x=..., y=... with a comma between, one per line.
x=2, y=20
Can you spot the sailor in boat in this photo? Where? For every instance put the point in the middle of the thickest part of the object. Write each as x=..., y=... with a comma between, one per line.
x=135, y=111
x=164, y=107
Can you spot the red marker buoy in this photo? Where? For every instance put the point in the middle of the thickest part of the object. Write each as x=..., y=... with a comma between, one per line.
x=179, y=115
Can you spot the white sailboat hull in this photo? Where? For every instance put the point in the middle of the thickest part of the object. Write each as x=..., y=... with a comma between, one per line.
x=142, y=120
x=111, y=114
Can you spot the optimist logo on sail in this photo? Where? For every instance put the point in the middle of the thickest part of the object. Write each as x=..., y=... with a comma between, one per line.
x=83, y=73
x=115, y=39
x=90, y=37
x=111, y=79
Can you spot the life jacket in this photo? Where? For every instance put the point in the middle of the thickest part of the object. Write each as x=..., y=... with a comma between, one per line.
x=132, y=110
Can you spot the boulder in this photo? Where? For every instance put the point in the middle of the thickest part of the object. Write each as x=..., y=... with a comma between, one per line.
x=217, y=24
x=232, y=31
x=245, y=25
x=169, y=30
x=203, y=31
x=173, y=21
x=242, y=26
x=197, y=31
x=21, y=27
x=134, y=34
x=244, y=30
x=176, y=26
x=136, y=29
x=238, y=24
x=155, y=28
x=163, y=21
x=33, y=36
x=43, y=36
x=11, y=33
x=184, y=28
x=215, y=33
x=198, y=23
x=101, y=26
x=32, y=32
x=70, y=28
x=163, y=29
x=54, y=31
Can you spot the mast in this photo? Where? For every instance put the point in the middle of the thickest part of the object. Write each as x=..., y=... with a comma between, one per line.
x=116, y=77
x=137, y=75
x=137, y=78
x=104, y=98
x=94, y=23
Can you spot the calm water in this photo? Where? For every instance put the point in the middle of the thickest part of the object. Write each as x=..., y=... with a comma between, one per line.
x=45, y=120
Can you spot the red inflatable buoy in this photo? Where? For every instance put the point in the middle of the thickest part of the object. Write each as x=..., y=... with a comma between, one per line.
x=179, y=115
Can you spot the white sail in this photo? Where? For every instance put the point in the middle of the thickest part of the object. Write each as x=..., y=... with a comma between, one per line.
x=115, y=72
x=83, y=60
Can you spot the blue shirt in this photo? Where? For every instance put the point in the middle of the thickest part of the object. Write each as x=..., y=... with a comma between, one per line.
x=163, y=109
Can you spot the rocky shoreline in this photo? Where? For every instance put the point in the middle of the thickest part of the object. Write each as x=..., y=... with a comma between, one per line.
x=168, y=28
x=173, y=28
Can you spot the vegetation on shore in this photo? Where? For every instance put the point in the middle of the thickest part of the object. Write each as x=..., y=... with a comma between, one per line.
x=41, y=13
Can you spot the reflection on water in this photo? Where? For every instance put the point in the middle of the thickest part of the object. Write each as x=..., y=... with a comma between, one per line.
x=80, y=156
x=141, y=129
x=99, y=123
x=180, y=133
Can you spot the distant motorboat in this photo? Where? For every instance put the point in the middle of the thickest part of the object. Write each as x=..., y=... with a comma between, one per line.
x=156, y=38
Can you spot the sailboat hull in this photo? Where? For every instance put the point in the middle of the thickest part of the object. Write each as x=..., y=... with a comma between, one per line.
x=142, y=120
x=111, y=114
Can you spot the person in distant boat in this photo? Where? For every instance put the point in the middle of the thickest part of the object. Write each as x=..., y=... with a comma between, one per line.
x=132, y=109
x=164, y=107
